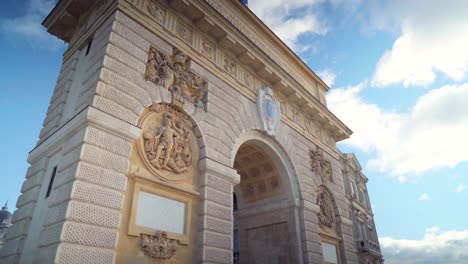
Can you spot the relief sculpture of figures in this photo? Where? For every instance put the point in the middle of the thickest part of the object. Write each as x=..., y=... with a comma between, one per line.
x=326, y=214
x=320, y=166
x=168, y=144
x=172, y=73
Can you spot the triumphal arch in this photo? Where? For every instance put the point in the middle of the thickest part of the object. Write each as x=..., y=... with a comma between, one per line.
x=185, y=131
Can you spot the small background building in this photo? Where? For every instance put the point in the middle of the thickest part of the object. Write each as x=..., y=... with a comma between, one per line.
x=5, y=223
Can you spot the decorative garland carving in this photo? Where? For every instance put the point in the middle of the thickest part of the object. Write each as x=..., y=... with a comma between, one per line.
x=320, y=166
x=158, y=246
x=173, y=73
x=168, y=144
x=326, y=215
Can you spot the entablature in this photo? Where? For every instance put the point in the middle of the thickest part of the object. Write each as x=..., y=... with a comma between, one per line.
x=208, y=29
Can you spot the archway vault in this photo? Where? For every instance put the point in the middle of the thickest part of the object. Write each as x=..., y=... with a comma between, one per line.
x=267, y=212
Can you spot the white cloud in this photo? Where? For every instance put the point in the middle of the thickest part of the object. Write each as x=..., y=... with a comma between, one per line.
x=435, y=247
x=28, y=29
x=429, y=41
x=290, y=19
x=461, y=188
x=431, y=135
x=327, y=76
x=424, y=197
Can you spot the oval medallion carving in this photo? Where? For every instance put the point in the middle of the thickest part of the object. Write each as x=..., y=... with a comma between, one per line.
x=168, y=144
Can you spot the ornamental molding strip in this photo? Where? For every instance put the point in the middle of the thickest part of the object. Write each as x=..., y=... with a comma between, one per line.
x=168, y=145
x=158, y=246
x=269, y=110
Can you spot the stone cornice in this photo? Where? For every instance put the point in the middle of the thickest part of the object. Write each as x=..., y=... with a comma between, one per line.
x=218, y=5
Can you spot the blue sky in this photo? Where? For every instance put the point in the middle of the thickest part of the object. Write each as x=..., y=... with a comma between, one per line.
x=398, y=76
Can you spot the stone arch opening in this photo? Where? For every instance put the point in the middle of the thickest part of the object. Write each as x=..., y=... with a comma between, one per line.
x=266, y=211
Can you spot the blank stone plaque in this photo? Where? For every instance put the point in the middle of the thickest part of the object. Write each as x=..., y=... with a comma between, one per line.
x=329, y=253
x=160, y=213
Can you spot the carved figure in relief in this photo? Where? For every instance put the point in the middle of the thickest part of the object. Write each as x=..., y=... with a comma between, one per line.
x=168, y=148
x=168, y=143
x=326, y=214
x=172, y=74
x=320, y=166
x=156, y=12
x=165, y=137
x=158, y=246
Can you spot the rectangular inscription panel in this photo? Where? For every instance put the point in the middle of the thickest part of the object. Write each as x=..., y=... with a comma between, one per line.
x=160, y=213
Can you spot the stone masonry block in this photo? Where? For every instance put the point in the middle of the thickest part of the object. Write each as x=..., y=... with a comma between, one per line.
x=217, y=211
x=125, y=58
x=126, y=86
x=126, y=34
x=93, y=214
x=76, y=254
x=119, y=97
x=214, y=255
x=217, y=183
x=33, y=182
x=56, y=214
x=19, y=229
x=100, y=176
x=31, y=195
x=141, y=31
x=108, y=141
x=94, y=194
x=24, y=212
x=126, y=45
x=89, y=235
x=104, y=158
x=218, y=240
x=217, y=225
x=217, y=196
x=51, y=234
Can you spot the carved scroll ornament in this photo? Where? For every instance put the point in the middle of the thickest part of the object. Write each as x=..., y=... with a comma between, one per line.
x=173, y=73
x=320, y=166
x=168, y=144
x=158, y=246
x=326, y=215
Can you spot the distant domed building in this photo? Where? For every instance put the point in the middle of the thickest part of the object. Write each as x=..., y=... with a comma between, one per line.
x=5, y=223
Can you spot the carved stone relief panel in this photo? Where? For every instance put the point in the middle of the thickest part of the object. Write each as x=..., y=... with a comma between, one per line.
x=173, y=73
x=326, y=215
x=158, y=246
x=168, y=144
x=184, y=32
x=229, y=65
x=248, y=79
x=320, y=166
x=157, y=12
x=207, y=49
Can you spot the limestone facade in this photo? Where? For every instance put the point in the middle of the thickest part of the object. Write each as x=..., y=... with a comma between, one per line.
x=157, y=99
